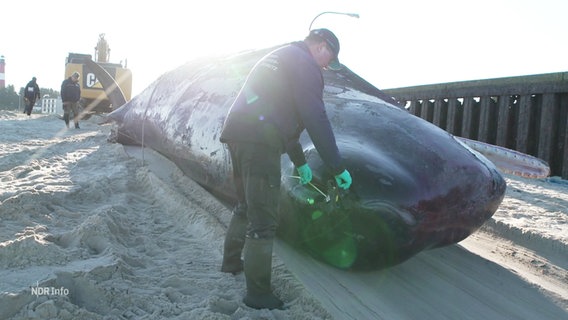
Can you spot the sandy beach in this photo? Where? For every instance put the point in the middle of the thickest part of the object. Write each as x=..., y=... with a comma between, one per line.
x=91, y=229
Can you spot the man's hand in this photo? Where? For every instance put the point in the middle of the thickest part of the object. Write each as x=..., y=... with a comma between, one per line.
x=305, y=173
x=343, y=180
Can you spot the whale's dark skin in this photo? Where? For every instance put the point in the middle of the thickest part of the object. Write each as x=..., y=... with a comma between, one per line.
x=415, y=186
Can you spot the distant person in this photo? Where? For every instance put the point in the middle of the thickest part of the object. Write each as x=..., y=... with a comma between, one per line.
x=31, y=95
x=70, y=95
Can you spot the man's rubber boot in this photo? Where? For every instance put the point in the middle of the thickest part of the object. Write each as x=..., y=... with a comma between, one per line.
x=234, y=243
x=66, y=118
x=258, y=272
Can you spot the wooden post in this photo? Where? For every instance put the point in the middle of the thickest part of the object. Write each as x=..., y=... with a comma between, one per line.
x=440, y=113
x=455, y=114
x=469, y=122
x=563, y=168
x=548, y=125
x=486, y=120
x=503, y=121
x=565, y=155
x=414, y=107
x=523, y=120
x=427, y=110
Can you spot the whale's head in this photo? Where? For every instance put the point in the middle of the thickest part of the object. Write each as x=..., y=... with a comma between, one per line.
x=414, y=187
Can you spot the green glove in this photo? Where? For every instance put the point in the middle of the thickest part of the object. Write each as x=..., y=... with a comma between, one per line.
x=344, y=180
x=305, y=173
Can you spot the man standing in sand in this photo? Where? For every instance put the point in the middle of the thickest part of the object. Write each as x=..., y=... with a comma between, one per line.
x=70, y=95
x=282, y=96
x=31, y=94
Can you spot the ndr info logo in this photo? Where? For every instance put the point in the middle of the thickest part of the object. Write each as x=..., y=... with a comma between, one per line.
x=49, y=291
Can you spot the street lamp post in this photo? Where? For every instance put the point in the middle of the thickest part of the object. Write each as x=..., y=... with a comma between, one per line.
x=352, y=15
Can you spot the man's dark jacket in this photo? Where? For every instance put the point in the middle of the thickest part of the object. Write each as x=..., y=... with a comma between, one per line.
x=31, y=92
x=70, y=91
x=282, y=96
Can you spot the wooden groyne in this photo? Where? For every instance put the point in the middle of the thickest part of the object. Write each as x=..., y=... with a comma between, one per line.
x=527, y=113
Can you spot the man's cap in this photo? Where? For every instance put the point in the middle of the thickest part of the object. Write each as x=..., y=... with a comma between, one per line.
x=75, y=75
x=333, y=44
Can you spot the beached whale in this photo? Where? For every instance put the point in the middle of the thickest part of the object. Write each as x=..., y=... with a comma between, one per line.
x=415, y=186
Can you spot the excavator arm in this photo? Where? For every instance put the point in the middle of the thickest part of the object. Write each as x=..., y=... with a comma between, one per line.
x=110, y=86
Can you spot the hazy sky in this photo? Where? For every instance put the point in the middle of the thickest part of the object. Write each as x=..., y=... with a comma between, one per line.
x=395, y=43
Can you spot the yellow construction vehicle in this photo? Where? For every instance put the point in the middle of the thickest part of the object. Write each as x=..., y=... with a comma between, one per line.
x=96, y=95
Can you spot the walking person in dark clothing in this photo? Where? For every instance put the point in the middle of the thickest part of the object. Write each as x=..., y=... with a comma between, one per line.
x=70, y=95
x=31, y=94
x=282, y=96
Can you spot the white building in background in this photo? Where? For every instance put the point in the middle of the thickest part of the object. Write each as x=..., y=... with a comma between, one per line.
x=51, y=106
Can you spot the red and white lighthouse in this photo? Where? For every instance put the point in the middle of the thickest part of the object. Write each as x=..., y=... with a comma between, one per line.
x=2, y=75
